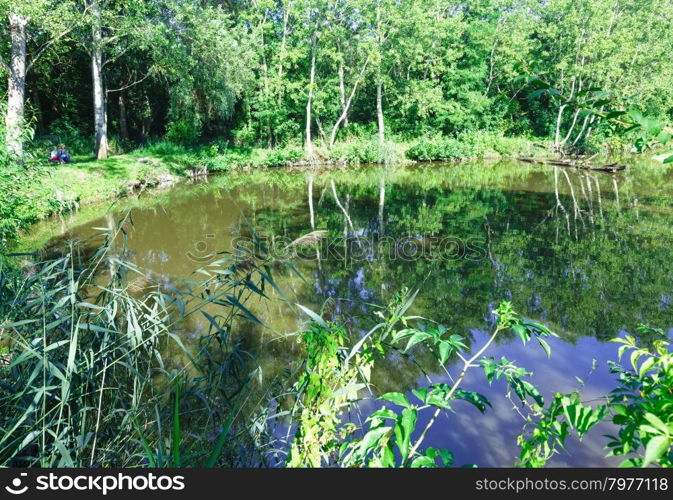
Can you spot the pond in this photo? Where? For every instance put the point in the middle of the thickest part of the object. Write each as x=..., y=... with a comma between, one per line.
x=587, y=254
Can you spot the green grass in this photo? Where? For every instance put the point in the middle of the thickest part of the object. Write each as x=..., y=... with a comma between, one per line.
x=88, y=180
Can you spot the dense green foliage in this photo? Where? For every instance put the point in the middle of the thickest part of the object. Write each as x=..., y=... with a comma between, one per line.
x=242, y=73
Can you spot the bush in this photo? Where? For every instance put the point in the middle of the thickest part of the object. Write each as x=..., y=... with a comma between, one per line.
x=366, y=150
x=605, y=143
x=438, y=148
x=475, y=144
x=285, y=156
x=182, y=132
x=20, y=203
x=164, y=148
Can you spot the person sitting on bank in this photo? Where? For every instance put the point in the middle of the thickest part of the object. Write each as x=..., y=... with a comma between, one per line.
x=63, y=155
x=53, y=156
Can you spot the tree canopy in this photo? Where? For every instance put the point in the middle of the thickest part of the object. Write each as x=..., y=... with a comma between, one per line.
x=278, y=72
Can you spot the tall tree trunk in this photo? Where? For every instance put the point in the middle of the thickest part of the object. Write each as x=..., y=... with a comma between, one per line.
x=344, y=210
x=123, y=121
x=379, y=80
x=99, y=111
x=558, y=142
x=342, y=92
x=379, y=110
x=16, y=85
x=309, y=102
x=310, y=201
x=557, y=133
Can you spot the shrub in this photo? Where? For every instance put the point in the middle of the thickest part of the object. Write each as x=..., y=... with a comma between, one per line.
x=164, y=148
x=64, y=131
x=438, y=148
x=365, y=150
x=475, y=144
x=182, y=132
x=20, y=201
x=285, y=156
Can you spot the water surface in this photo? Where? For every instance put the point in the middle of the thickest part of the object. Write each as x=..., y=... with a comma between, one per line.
x=587, y=254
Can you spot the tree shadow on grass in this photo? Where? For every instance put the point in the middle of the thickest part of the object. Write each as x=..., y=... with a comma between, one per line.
x=111, y=168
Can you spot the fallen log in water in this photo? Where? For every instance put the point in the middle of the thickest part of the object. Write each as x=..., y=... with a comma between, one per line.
x=574, y=163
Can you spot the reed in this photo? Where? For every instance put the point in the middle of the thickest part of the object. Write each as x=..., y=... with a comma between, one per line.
x=84, y=380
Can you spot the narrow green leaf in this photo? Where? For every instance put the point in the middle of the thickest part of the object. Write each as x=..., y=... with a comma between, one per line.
x=313, y=315
x=146, y=446
x=656, y=447
x=176, y=427
x=222, y=437
x=545, y=346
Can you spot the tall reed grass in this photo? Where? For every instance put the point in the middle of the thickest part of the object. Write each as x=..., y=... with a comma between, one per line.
x=85, y=382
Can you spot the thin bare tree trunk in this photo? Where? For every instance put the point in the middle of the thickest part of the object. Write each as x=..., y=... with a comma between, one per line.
x=345, y=211
x=311, y=212
x=558, y=201
x=16, y=85
x=598, y=194
x=575, y=116
x=346, y=103
x=379, y=111
x=572, y=126
x=379, y=80
x=100, y=115
x=323, y=136
x=310, y=201
x=559, y=117
x=582, y=134
x=557, y=135
x=342, y=92
x=616, y=188
x=309, y=102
